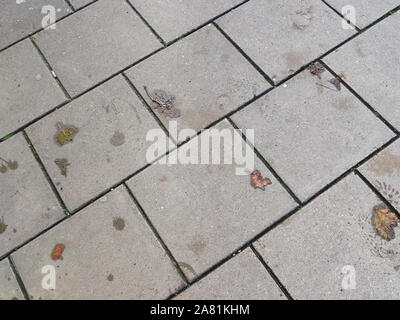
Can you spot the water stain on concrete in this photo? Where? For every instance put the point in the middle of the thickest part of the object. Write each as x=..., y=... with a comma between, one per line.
x=118, y=139
x=197, y=247
x=386, y=163
x=358, y=49
x=163, y=179
x=3, y=226
x=293, y=60
x=187, y=267
x=11, y=164
x=344, y=103
x=119, y=223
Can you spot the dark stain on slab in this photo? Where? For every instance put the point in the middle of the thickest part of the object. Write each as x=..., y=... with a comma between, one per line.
x=187, y=267
x=385, y=163
x=110, y=277
x=62, y=164
x=119, y=223
x=197, y=247
x=11, y=164
x=118, y=139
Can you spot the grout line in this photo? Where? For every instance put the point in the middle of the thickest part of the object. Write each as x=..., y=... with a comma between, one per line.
x=266, y=77
x=271, y=273
x=41, y=29
x=157, y=235
x=206, y=23
x=26, y=242
x=386, y=15
x=147, y=24
x=52, y=72
x=34, y=120
x=377, y=192
x=341, y=15
x=284, y=218
x=144, y=102
x=301, y=69
x=46, y=174
x=363, y=101
x=68, y=2
x=266, y=163
x=19, y=278
x=237, y=251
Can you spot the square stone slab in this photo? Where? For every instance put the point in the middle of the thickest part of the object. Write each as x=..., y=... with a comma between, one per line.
x=174, y=18
x=383, y=171
x=9, y=288
x=367, y=11
x=95, y=43
x=283, y=36
x=20, y=18
x=330, y=249
x=28, y=204
x=310, y=133
x=205, y=211
x=109, y=253
x=27, y=89
x=376, y=53
x=110, y=143
x=207, y=76
x=241, y=278
x=80, y=3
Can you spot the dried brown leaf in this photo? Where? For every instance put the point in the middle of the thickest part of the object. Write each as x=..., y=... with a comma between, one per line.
x=384, y=222
x=316, y=69
x=257, y=181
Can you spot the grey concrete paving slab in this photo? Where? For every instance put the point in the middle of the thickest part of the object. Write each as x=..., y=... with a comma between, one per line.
x=376, y=53
x=366, y=11
x=80, y=3
x=310, y=133
x=28, y=204
x=282, y=36
x=109, y=253
x=205, y=212
x=27, y=89
x=9, y=288
x=173, y=18
x=95, y=43
x=207, y=76
x=110, y=143
x=241, y=278
x=383, y=171
x=330, y=249
x=20, y=18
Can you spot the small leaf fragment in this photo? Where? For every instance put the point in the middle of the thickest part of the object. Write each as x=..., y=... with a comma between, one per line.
x=65, y=134
x=57, y=252
x=337, y=83
x=257, y=181
x=316, y=69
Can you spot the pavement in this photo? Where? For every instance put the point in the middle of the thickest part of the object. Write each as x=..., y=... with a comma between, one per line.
x=85, y=214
